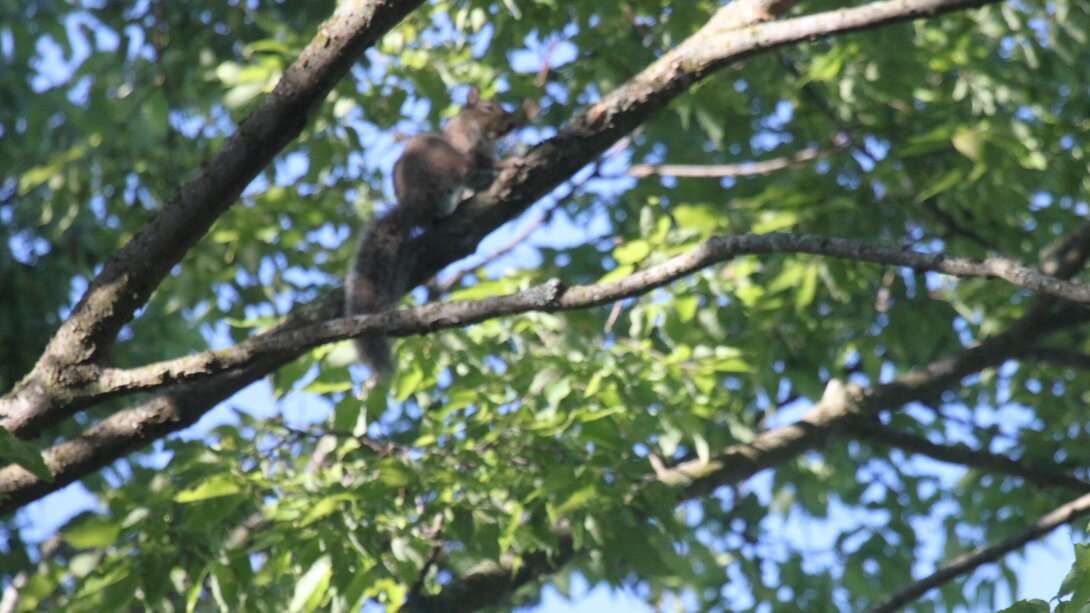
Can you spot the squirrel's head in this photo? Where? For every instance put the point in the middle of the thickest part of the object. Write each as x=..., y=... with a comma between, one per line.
x=491, y=117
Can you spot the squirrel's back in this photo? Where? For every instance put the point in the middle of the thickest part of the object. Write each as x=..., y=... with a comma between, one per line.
x=429, y=177
x=430, y=180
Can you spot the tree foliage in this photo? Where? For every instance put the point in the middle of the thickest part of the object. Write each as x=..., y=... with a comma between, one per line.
x=801, y=251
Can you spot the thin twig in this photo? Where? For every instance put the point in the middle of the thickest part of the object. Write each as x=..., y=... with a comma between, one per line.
x=433, y=556
x=719, y=171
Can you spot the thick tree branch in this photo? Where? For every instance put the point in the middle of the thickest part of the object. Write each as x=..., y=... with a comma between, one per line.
x=696, y=478
x=128, y=279
x=1059, y=357
x=971, y=561
x=125, y=432
x=718, y=44
x=135, y=427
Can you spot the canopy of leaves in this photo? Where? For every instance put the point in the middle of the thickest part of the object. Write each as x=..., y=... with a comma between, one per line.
x=524, y=449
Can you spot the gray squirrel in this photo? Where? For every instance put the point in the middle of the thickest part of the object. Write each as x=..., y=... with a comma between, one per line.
x=430, y=179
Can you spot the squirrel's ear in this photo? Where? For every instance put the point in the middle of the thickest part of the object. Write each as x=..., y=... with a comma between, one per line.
x=473, y=97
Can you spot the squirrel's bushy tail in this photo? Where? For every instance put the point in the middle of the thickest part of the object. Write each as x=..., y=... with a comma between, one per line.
x=375, y=283
x=374, y=352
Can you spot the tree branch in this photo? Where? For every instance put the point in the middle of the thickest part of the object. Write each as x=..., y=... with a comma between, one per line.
x=125, y=432
x=132, y=428
x=127, y=280
x=842, y=405
x=722, y=41
x=983, y=555
x=1059, y=357
x=93, y=383
x=966, y=456
x=719, y=171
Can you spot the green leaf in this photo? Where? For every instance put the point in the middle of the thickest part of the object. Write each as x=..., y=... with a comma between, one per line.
x=311, y=588
x=703, y=451
x=325, y=506
x=685, y=307
x=770, y=221
x=1077, y=581
x=215, y=486
x=617, y=274
x=804, y=296
x=224, y=591
x=394, y=473
x=349, y=416
x=36, y=176
x=241, y=94
x=1028, y=606
x=558, y=391
x=632, y=252
x=408, y=382
x=92, y=532
x=942, y=183
x=712, y=124
x=578, y=498
x=593, y=385
x=827, y=65
x=970, y=143
x=703, y=218
x=24, y=454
